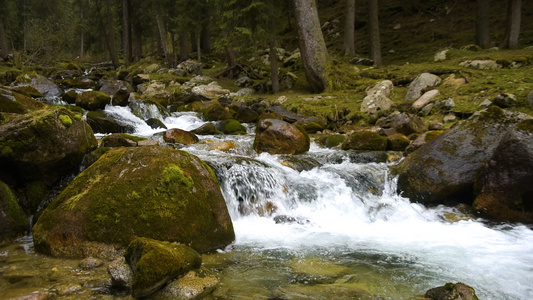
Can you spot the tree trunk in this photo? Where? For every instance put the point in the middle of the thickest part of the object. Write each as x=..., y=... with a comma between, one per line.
x=163, y=35
x=230, y=59
x=349, y=28
x=312, y=46
x=138, y=44
x=274, y=75
x=82, y=20
x=184, y=47
x=4, y=50
x=111, y=44
x=483, y=23
x=126, y=32
x=205, y=33
x=512, y=31
x=199, y=43
x=375, y=44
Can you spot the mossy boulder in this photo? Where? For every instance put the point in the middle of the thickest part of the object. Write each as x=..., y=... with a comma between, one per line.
x=216, y=112
x=177, y=135
x=155, y=263
x=101, y=122
x=70, y=97
x=93, y=100
x=111, y=87
x=445, y=168
x=206, y=129
x=397, y=142
x=154, y=192
x=12, y=102
x=146, y=109
x=45, y=86
x=402, y=123
x=279, y=137
x=27, y=90
x=121, y=140
x=191, y=286
x=365, y=140
x=452, y=291
x=505, y=190
x=155, y=123
x=231, y=126
x=246, y=115
x=13, y=222
x=44, y=145
x=77, y=83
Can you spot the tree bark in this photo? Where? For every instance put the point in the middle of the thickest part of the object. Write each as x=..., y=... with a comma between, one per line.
x=312, y=46
x=375, y=43
x=349, y=28
x=205, y=33
x=483, y=23
x=184, y=47
x=138, y=44
x=4, y=50
x=199, y=43
x=167, y=52
x=126, y=32
x=274, y=75
x=111, y=44
x=512, y=31
x=82, y=38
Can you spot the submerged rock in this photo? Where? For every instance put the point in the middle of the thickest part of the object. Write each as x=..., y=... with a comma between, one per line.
x=101, y=122
x=189, y=287
x=153, y=191
x=121, y=273
x=279, y=137
x=452, y=291
x=155, y=263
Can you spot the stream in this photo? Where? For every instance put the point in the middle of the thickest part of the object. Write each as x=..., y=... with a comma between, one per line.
x=329, y=224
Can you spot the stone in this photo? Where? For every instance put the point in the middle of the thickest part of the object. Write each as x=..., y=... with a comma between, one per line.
x=231, y=126
x=402, y=123
x=452, y=81
x=361, y=61
x=210, y=91
x=121, y=273
x=45, y=86
x=365, y=140
x=121, y=140
x=90, y=263
x=77, y=83
x=330, y=140
x=447, y=104
x=102, y=122
x=151, y=68
x=206, y=129
x=397, y=142
x=425, y=99
x=485, y=104
x=93, y=100
x=70, y=97
x=426, y=110
x=436, y=126
x=481, y=64
x=506, y=193
x=216, y=112
x=447, y=167
x=452, y=291
x=153, y=192
x=111, y=87
x=441, y=55
x=155, y=263
x=421, y=140
x=189, y=287
x=505, y=100
x=121, y=97
x=154, y=90
x=177, y=135
x=146, y=109
x=530, y=99
x=377, y=102
x=12, y=102
x=245, y=92
x=13, y=222
x=225, y=146
x=280, y=100
x=279, y=137
x=291, y=60
x=421, y=83
x=449, y=118
x=191, y=66
x=244, y=81
x=246, y=115
x=155, y=123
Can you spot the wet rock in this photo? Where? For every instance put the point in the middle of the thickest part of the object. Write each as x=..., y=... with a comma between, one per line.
x=231, y=126
x=481, y=64
x=176, y=135
x=425, y=99
x=287, y=116
x=112, y=202
x=506, y=193
x=101, y=122
x=225, y=146
x=189, y=287
x=13, y=222
x=452, y=291
x=93, y=100
x=397, y=142
x=330, y=140
x=146, y=109
x=120, y=140
x=402, y=123
x=90, y=263
x=44, y=145
x=215, y=112
x=246, y=115
x=421, y=83
x=206, y=129
x=155, y=123
x=156, y=263
x=284, y=219
x=422, y=139
x=505, y=100
x=27, y=91
x=447, y=167
x=121, y=97
x=77, y=83
x=121, y=273
x=279, y=137
x=377, y=102
x=365, y=140
x=45, y=86
x=70, y=97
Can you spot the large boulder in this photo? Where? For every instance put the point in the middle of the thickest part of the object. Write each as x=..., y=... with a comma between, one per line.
x=45, y=86
x=421, y=83
x=13, y=222
x=377, y=101
x=177, y=135
x=93, y=100
x=279, y=137
x=111, y=87
x=154, y=90
x=155, y=263
x=12, y=102
x=231, y=126
x=402, y=123
x=506, y=193
x=365, y=140
x=101, y=122
x=44, y=145
x=154, y=192
x=446, y=167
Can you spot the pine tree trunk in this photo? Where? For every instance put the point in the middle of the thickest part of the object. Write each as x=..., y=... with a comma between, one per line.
x=82, y=29
x=512, y=31
x=205, y=33
x=111, y=36
x=349, y=28
x=184, y=47
x=138, y=45
x=163, y=36
x=4, y=50
x=274, y=75
x=483, y=23
x=375, y=44
x=199, y=43
x=312, y=46
x=126, y=32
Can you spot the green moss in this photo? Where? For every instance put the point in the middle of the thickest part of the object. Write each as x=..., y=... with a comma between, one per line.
x=174, y=179
x=35, y=192
x=432, y=135
x=331, y=140
x=232, y=126
x=526, y=125
x=126, y=136
x=397, y=142
x=365, y=140
x=65, y=120
x=14, y=219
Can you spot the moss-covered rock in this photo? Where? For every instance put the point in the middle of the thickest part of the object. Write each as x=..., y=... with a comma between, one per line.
x=397, y=142
x=77, y=83
x=13, y=221
x=27, y=90
x=365, y=140
x=155, y=263
x=402, y=123
x=70, y=97
x=246, y=114
x=44, y=85
x=101, y=122
x=146, y=109
x=330, y=140
x=177, y=135
x=446, y=168
x=155, y=123
x=121, y=140
x=279, y=137
x=155, y=192
x=12, y=102
x=231, y=126
x=93, y=100
x=44, y=145
x=452, y=291
x=216, y=112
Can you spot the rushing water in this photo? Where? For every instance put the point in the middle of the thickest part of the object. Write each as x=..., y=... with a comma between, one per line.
x=324, y=225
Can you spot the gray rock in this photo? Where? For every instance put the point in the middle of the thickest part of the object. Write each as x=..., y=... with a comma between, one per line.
x=46, y=87
x=449, y=118
x=121, y=97
x=486, y=103
x=377, y=101
x=90, y=263
x=436, y=126
x=447, y=104
x=421, y=83
x=481, y=64
x=209, y=91
x=505, y=100
x=154, y=90
x=426, y=110
x=441, y=55
x=425, y=99
x=245, y=92
x=402, y=123
x=111, y=87
x=244, y=81
x=191, y=66
x=291, y=60
x=121, y=273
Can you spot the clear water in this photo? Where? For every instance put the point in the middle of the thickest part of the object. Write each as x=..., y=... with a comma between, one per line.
x=319, y=226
